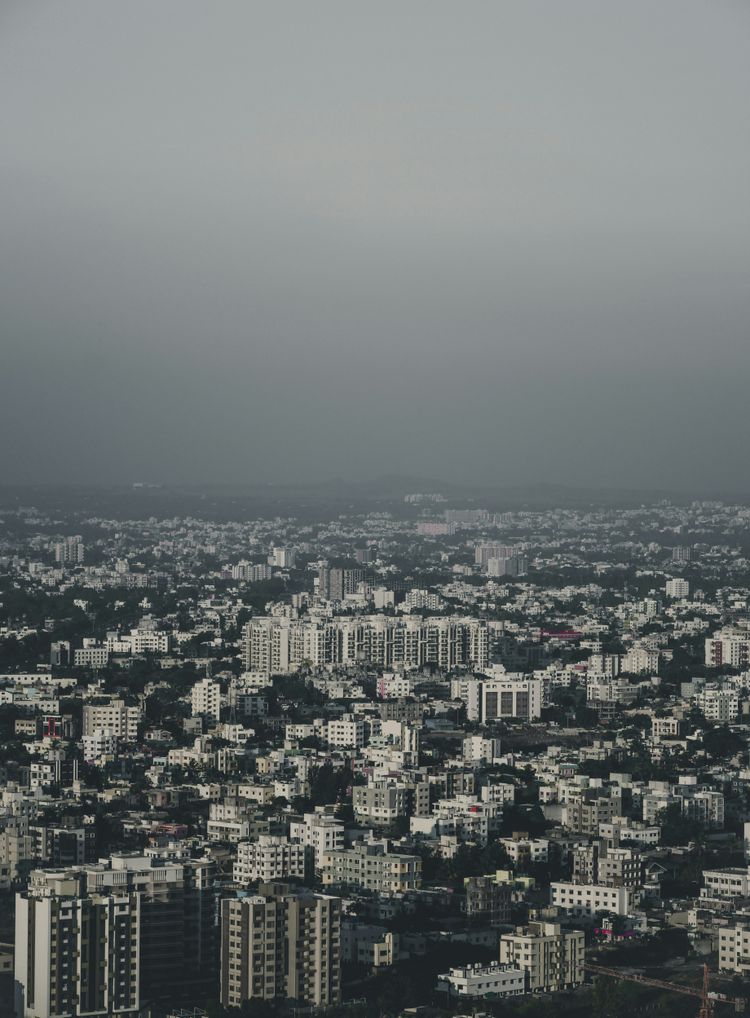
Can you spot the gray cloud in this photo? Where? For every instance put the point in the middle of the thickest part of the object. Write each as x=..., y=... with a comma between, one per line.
x=502, y=240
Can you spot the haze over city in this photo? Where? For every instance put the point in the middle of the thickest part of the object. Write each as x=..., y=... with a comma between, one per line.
x=497, y=242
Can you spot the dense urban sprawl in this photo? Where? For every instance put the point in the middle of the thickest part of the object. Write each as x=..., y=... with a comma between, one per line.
x=423, y=757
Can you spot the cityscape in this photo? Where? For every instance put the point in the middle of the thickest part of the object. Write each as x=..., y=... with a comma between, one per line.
x=374, y=509
x=415, y=757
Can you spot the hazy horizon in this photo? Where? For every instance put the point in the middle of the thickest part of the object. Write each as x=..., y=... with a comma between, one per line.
x=490, y=244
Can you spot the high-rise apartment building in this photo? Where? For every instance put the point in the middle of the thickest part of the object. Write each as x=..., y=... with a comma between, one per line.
x=76, y=950
x=69, y=551
x=335, y=583
x=509, y=565
x=321, y=831
x=728, y=647
x=484, y=551
x=283, y=558
x=206, y=698
x=169, y=951
x=279, y=944
x=278, y=646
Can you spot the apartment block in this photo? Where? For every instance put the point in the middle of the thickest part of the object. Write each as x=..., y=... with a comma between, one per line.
x=551, y=958
x=271, y=857
x=279, y=944
x=76, y=952
x=114, y=717
x=373, y=868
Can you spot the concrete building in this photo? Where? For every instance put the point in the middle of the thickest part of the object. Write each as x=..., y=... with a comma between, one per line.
x=728, y=647
x=115, y=717
x=486, y=901
x=585, y=811
x=734, y=947
x=677, y=588
x=271, y=857
x=76, y=951
x=347, y=732
x=382, y=802
x=372, y=868
x=320, y=831
x=495, y=979
x=205, y=698
x=588, y=899
x=718, y=705
x=70, y=551
x=511, y=697
x=368, y=945
x=729, y=882
x=176, y=939
x=550, y=957
x=596, y=863
x=279, y=944
x=280, y=646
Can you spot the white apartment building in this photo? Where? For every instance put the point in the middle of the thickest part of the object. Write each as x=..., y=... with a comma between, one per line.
x=320, y=831
x=422, y=600
x=115, y=717
x=588, y=899
x=347, y=732
x=139, y=641
x=281, y=945
x=271, y=857
x=718, y=705
x=677, y=588
x=610, y=691
x=280, y=646
x=393, y=686
x=206, y=698
x=498, y=791
x=623, y=830
x=69, y=551
x=486, y=550
x=641, y=661
x=467, y=818
x=704, y=805
x=734, y=947
x=526, y=850
x=478, y=750
x=479, y=980
x=731, y=882
x=666, y=728
x=91, y=655
x=232, y=831
x=469, y=691
x=728, y=647
x=101, y=743
x=383, y=801
x=283, y=558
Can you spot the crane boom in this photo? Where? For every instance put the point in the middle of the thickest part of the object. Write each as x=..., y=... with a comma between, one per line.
x=704, y=994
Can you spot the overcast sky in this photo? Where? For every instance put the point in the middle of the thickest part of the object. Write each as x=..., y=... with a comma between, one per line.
x=501, y=241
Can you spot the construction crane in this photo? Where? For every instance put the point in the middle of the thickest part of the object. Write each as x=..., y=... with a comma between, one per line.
x=706, y=996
